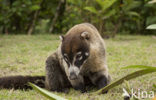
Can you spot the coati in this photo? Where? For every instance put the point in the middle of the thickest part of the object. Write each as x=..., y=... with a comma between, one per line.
x=79, y=60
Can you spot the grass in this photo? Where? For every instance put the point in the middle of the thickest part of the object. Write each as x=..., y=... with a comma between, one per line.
x=26, y=55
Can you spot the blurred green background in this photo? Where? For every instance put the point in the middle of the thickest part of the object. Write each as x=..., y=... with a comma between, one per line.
x=111, y=17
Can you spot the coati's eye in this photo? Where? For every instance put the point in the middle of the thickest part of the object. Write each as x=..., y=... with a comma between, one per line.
x=79, y=56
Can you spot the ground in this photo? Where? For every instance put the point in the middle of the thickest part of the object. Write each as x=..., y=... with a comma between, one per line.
x=26, y=55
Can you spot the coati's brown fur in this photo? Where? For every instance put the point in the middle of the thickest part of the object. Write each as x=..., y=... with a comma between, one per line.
x=63, y=70
x=81, y=37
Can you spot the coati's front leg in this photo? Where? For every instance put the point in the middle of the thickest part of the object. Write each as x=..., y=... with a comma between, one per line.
x=56, y=79
x=78, y=84
x=99, y=79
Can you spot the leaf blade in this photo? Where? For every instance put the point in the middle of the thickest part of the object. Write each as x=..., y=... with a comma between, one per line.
x=139, y=66
x=127, y=77
x=91, y=9
x=46, y=93
x=151, y=27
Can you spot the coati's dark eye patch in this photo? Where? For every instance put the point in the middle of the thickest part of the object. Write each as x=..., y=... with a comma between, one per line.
x=66, y=58
x=80, y=58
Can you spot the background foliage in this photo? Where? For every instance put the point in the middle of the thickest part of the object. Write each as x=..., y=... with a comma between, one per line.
x=57, y=16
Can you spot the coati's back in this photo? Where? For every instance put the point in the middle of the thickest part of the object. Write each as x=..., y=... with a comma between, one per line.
x=93, y=33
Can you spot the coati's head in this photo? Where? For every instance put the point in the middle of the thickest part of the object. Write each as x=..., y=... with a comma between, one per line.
x=75, y=51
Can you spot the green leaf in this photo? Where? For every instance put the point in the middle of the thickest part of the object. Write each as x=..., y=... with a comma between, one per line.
x=105, y=4
x=127, y=77
x=46, y=93
x=132, y=13
x=152, y=1
x=129, y=5
x=100, y=2
x=154, y=85
x=110, y=13
x=91, y=9
x=35, y=7
x=140, y=66
x=151, y=27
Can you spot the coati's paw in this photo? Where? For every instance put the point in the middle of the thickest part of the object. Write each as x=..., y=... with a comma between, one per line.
x=66, y=90
x=80, y=87
x=83, y=91
x=101, y=82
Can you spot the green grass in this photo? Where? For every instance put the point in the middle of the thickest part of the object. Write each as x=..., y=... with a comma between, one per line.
x=26, y=55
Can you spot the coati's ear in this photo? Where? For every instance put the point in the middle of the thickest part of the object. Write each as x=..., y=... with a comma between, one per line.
x=61, y=37
x=85, y=35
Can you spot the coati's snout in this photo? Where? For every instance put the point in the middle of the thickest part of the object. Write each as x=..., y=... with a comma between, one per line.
x=75, y=51
x=73, y=72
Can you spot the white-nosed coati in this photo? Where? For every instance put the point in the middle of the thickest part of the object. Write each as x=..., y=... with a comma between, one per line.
x=79, y=60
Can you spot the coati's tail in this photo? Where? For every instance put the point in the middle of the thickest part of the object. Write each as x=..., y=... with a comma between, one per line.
x=21, y=82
